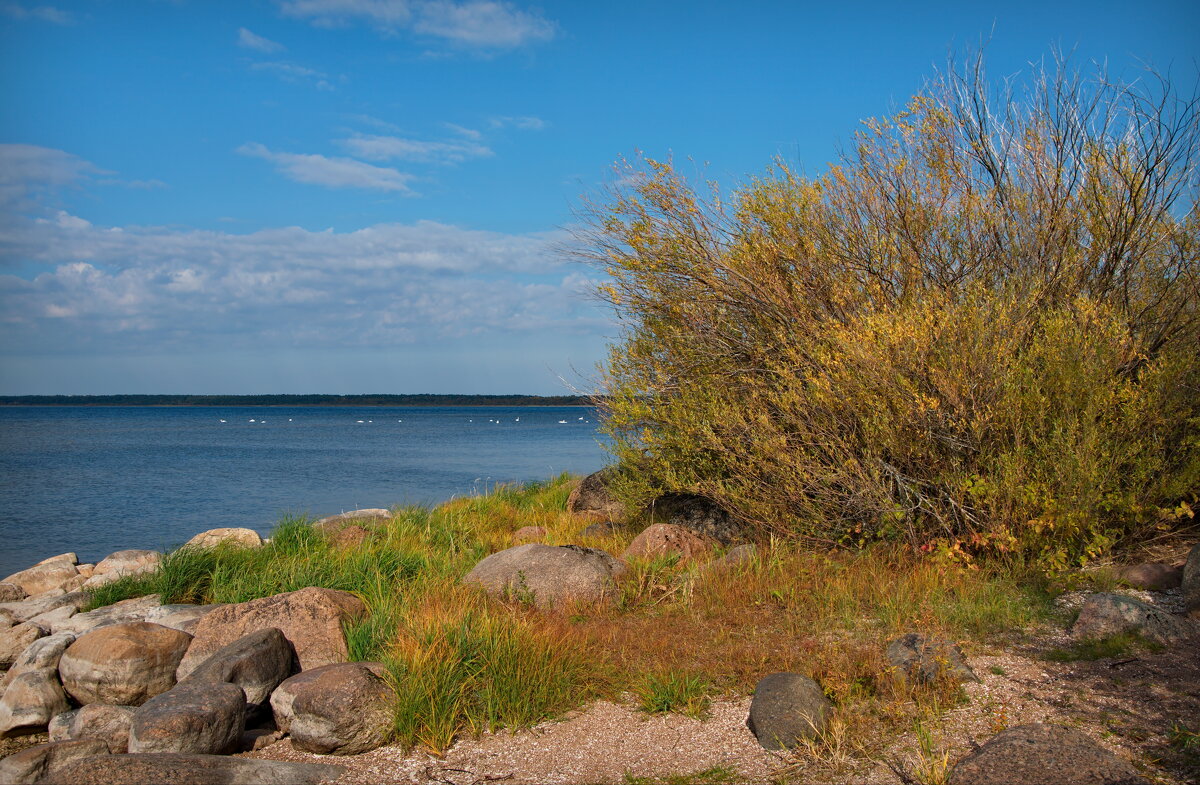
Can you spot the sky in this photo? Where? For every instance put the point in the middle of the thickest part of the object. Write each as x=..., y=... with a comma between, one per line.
x=372, y=196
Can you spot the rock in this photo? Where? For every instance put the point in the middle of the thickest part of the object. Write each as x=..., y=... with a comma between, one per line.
x=30, y=701
x=256, y=663
x=135, y=609
x=86, y=570
x=1104, y=615
x=311, y=619
x=663, y=539
x=1040, y=754
x=247, y=538
x=335, y=523
x=602, y=529
x=123, y=563
x=59, y=728
x=50, y=620
x=1189, y=586
x=738, y=554
x=16, y=639
x=927, y=660
x=1155, y=576
x=258, y=738
x=529, y=534
x=548, y=575
x=11, y=592
x=349, y=537
x=42, y=653
x=102, y=721
x=592, y=496
x=124, y=664
x=35, y=606
x=198, y=717
x=46, y=575
x=698, y=515
x=192, y=770
x=182, y=617
x=311, y=708
x=786, y=708
x=31, y=764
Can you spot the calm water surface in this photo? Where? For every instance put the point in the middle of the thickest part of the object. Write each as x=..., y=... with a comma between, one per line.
x=99, y=479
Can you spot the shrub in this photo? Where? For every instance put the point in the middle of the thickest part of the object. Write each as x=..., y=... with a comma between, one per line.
x=979, y=331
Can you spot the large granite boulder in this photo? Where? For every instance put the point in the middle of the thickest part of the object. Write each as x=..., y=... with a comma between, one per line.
x=179, y=769
x=47, y=575
x=33, y=764
x=548, y=575
x=311, y=708
x=15, y=640
x=1104, y=615
x=184, y=617
x=592, y=496
x=11, y=592
x=311, y=619
x=787, y=708
x=122, y=563
x=257, y=663
x=665, y=539
x=42, y=653
x=246, y=538
x=1189, y=585
x=135, y=609
x=205, y=718
x=1043, y=755
x=102, y=721
x=697, y=514
x=928, y=660
x=32, y=607
x=30, y=701
x=123, y=664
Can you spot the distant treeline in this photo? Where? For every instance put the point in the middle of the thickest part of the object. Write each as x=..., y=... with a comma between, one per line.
x=296, y=400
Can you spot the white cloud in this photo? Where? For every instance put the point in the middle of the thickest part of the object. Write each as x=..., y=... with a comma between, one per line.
x=248, y=40
x=44, y=13
x=332, y=172
x=520, y=123
x=387, y=148
x=290, y=72
x=480, y=24
x=470, y=133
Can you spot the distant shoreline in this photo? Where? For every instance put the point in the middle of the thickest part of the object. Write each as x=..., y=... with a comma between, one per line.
x=297, y=400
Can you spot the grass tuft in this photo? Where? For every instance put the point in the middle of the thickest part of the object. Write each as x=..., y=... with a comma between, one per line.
x=673, y=691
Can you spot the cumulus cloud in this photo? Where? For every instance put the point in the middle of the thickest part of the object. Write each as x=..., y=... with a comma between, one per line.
x=44, y=13
x=388, y=148
x=248, y=40
x=332, y=172
x=478, y=24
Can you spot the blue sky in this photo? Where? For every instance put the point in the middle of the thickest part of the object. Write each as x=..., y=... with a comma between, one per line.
x=344, y=196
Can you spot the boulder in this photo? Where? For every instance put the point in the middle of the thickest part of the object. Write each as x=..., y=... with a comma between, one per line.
x=47, y=575
x=1040, y=754
x=548, y=575
x=31, y=764
x=529, y=534
x=1189, y=585
x=30, y=607
x=135, y=609
x=182, y=617
x=1104, y=615
x=349, y=537
x=86, y=570
x=1155, y=576
x=247, y=538
x=50, y=620
x=257, y=663
x=42, y=653
x=311, y=708
x=591, y=495
x=59, y=728
x=335, y=523
x=122, y=563
x=928, y=660
x=664, y=539
x=738, y=554
x=192, y=770
x=124, y=664
x=602, y=529
x=30, y=701
x=787, y=708
x=311, y=619
x=102, y=721
x=200, y=717
x=697, y=514
x=16, y=639
x=11, y=592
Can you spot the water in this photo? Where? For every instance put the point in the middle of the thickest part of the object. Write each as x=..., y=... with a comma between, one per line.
x=100, y=479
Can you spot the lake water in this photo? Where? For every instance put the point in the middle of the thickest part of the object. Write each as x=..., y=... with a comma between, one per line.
x=100, y=479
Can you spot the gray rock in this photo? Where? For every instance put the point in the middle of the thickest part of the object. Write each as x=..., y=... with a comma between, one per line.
x=15, y=640
x=123, y=664
x=257, y=663
x=131, y=610
x=35, y=606
x=1104, y=615
x=1155, y=576
x=548, y=575
x=311, y=708
x=592, y=495
x=11, y=592
x=102, y=721
x=181, y=617
x=697, y=514
x=59, y=727
x=121, y=564
x=30, y=701
x=1189, y=585
x=1043, y=755
x=926, y=660
x=192, y=770
x=202, y=717
x=787, y=708
x=42, y=653
x=32, y=764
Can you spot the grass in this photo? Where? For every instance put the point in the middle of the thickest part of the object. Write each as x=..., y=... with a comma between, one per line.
x=717, y=775
x=677, y=636
x=1102, y=648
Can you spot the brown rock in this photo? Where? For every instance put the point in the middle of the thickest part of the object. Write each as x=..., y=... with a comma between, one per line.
x=59, y=728
x=547, y=575
x=123, y=563
x=182, y=617
x=1155, y=576
x=1043, y=755
x=11, y=592
x=178, y=769
x=43, y=603
x=257, y=663
x=205, y=718
x=30, y=701
x=311, y=707
x=247, y=538
x=46, y=575
x=123, y=664
x=134, y=609
x=349, y=537
x=591, y=496
x=102, y=721
x=311, y=619
x=335, y=523
x=42, y=653
x=16, y=639
x=31, y=764
x=529, y=534
x=664, y=539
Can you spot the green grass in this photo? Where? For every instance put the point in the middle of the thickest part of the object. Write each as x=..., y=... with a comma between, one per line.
x=673, y=691
x=717, y=775
x=1117, y=645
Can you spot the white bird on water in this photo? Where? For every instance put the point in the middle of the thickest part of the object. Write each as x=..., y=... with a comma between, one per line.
x=251, y=420
x=222, y=421
x=562, y=422
x=358, y=420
